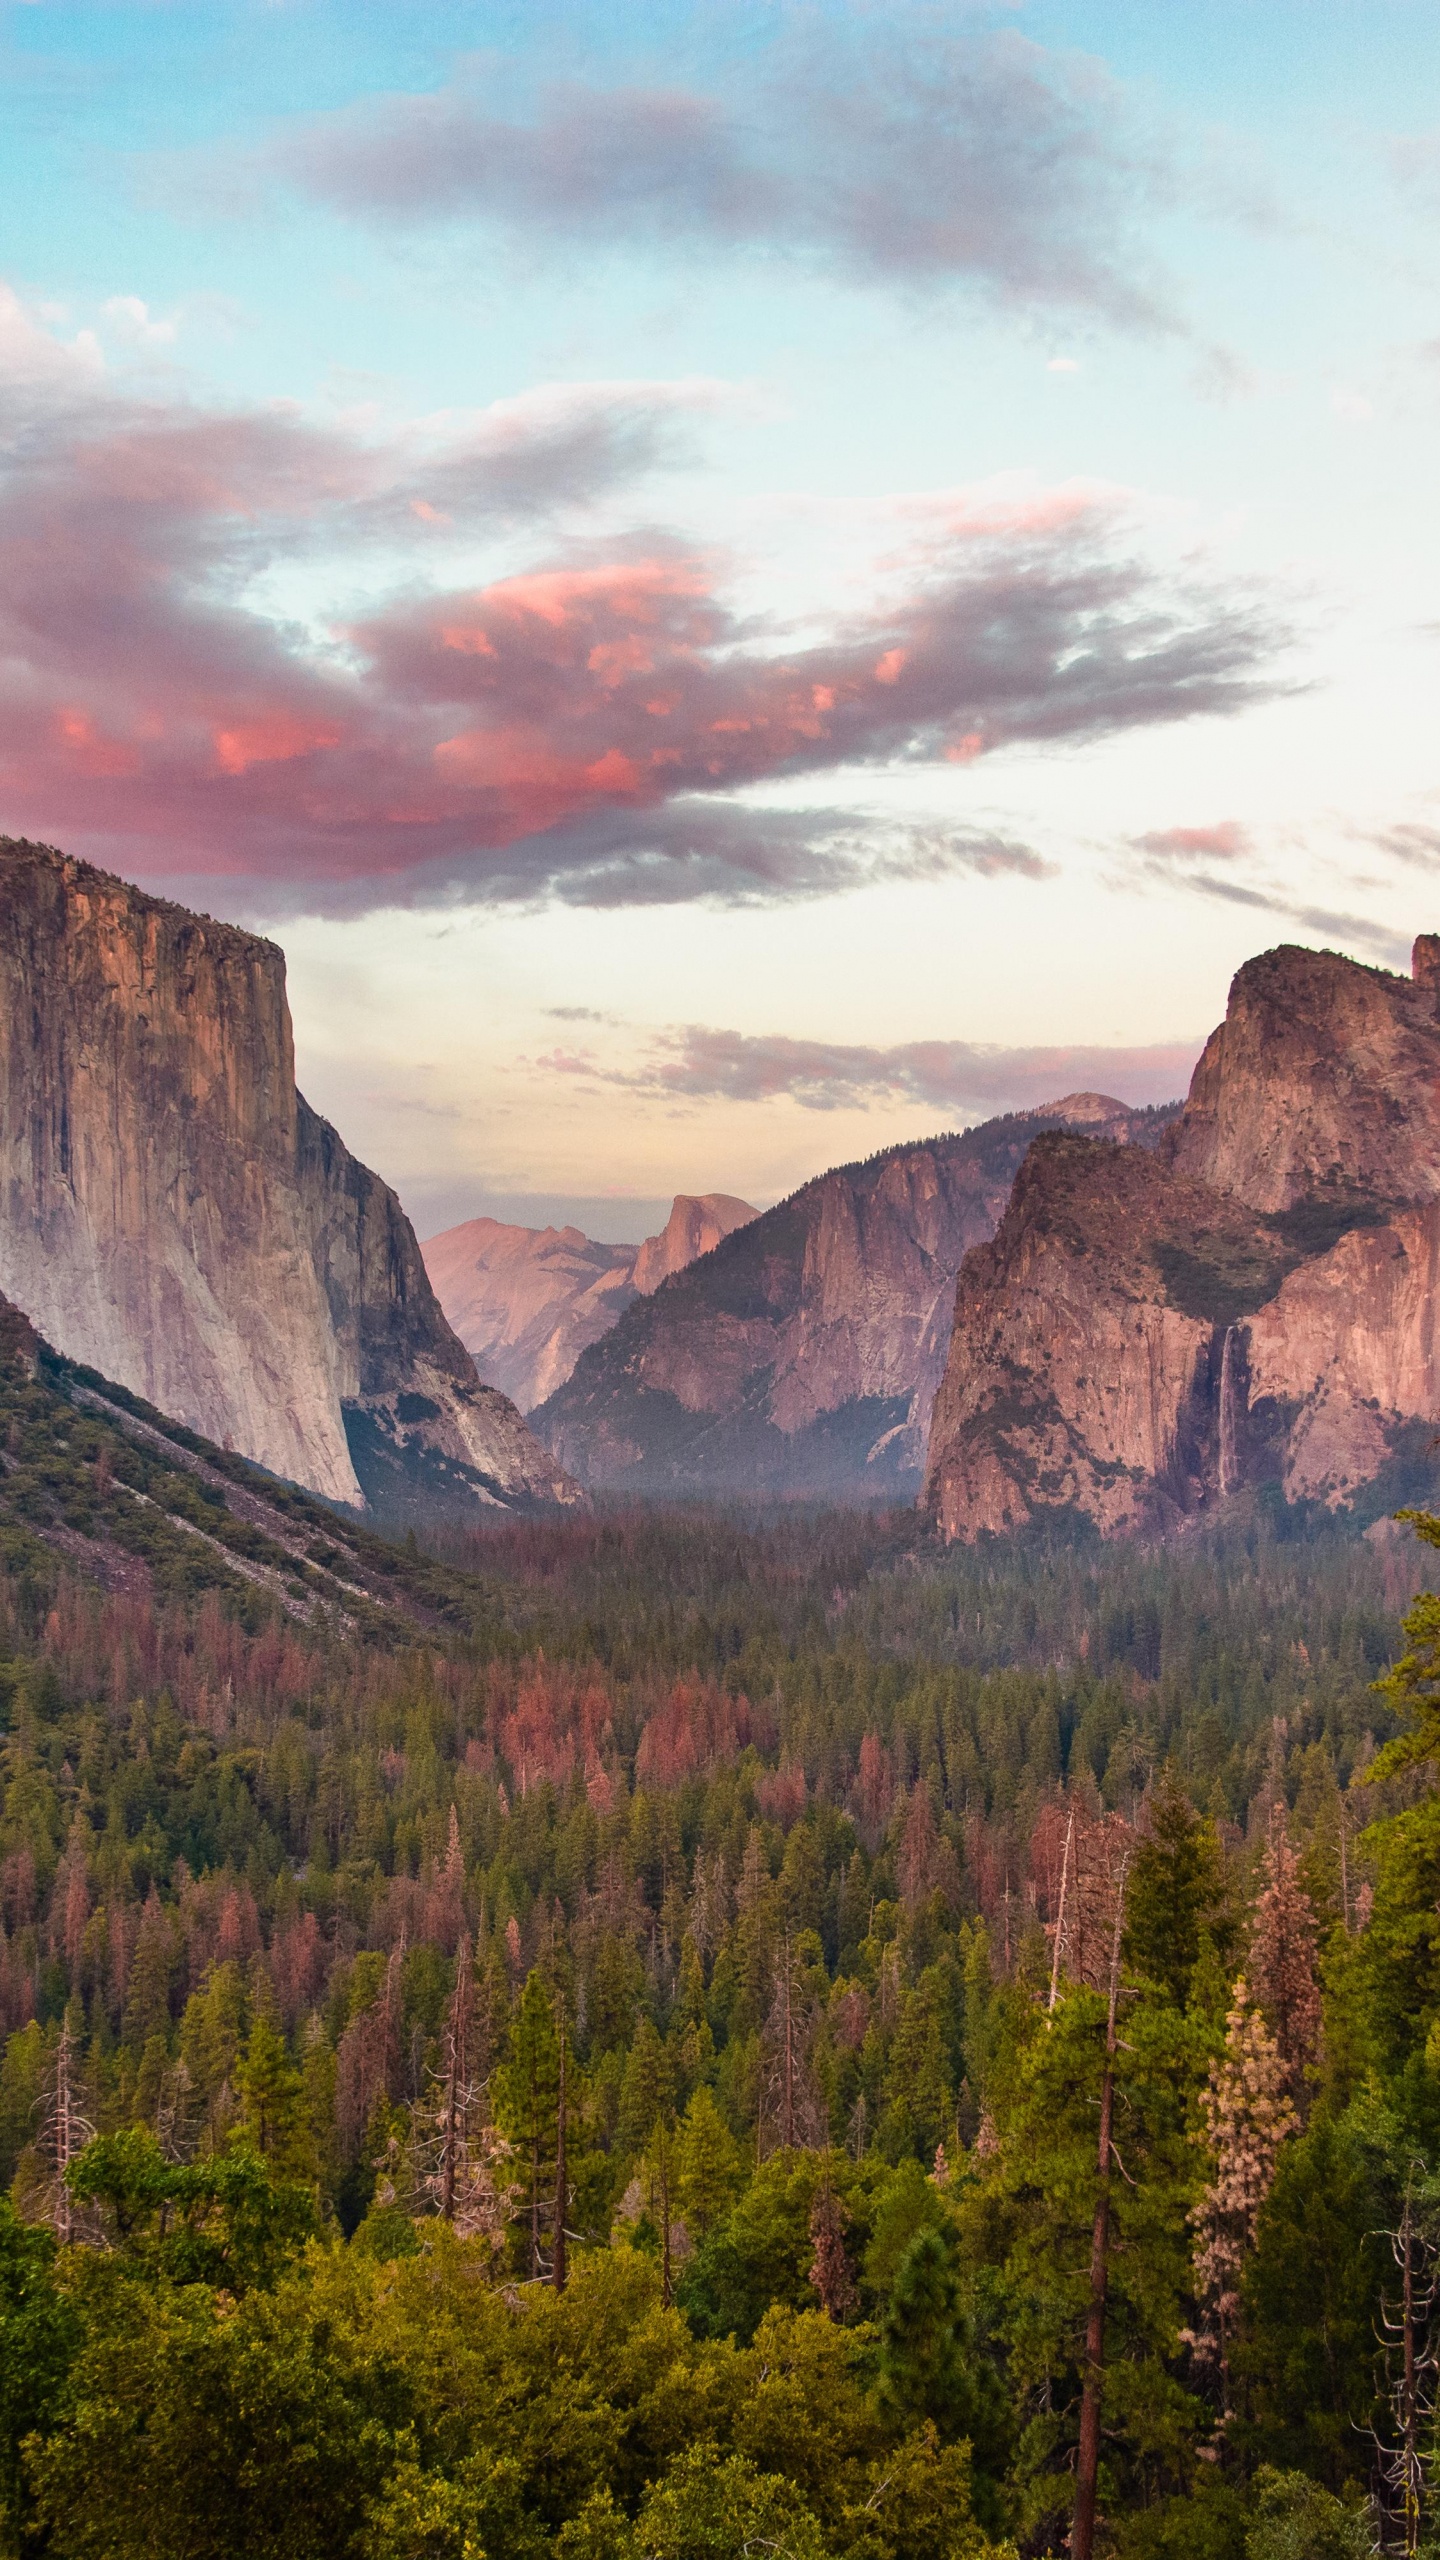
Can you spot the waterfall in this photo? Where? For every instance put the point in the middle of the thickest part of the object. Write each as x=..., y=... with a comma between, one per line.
x=1234, y=1402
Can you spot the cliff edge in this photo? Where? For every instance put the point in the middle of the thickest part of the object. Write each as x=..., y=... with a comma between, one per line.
x=174, y=1214
x=1255, y=1302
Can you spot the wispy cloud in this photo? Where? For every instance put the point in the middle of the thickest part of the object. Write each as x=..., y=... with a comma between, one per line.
x=695, y=1063
x=1184, y=856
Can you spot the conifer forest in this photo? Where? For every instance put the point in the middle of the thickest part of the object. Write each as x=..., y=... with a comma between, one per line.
x=717, y=2034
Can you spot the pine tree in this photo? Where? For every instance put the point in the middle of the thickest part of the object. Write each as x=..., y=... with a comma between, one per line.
x=647, y=2091
x=1282, y=1962
x=147, y=1998
x=212, y=2033
x=527, y=2092
x=791, y=2109
x=707, y=2164
x=1248, y=2115
x=272, y=2100
x=1176, y=1893
x=318, y=2076
x=929, y=2369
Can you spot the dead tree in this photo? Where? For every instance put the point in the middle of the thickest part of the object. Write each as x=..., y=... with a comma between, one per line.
x=67, y=2132
x=1406, y=2332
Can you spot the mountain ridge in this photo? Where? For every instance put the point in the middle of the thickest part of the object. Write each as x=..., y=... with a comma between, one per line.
x=174, y=1213
x=802, y=1354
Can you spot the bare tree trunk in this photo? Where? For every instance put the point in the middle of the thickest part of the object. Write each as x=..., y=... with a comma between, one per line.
x=1087, y=2467
x=667, y=2290
x=66, y=2144
x=789, y=2053
x=562, y=2200
x=1060, y=1915
x=457, y=2065
x=1410, y=2396
x=535, y=2200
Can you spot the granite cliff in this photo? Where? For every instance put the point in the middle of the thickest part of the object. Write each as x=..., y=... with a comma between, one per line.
x=174, y=1214
x=527, y=1300
x=696, y=1224
x=802, y=1354
x=1254, y=1303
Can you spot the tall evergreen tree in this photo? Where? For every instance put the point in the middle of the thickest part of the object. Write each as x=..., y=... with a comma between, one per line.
x=1177, y=1894
x=527, y=2090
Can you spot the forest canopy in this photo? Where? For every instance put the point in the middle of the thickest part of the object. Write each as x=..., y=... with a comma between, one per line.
x=652, y=2074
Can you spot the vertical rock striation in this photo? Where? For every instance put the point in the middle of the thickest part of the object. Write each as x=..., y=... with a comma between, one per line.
x=1255, y=1303
x=173, y=1213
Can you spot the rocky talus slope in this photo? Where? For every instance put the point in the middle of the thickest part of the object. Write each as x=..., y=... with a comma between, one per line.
x=1254, y=1303
x=174, y=1214
x=802, y=1355
x=528, y=1300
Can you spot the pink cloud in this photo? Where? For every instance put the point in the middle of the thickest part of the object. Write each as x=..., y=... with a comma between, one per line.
x=1221, y=843
x=152, y=714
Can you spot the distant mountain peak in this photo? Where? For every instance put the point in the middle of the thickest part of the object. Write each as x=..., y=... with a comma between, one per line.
x=526, y=1301
x=1085, y=1109
x=696, y=1224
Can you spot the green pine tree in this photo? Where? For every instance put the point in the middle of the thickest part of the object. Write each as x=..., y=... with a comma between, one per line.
x=527, y=2095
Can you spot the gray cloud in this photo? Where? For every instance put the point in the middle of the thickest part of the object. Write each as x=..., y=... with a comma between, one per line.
x=885, y=149
x=1411, y=841
x=690, y=851
x=1182, y=856
x=1415, y=165
x=963, y=1077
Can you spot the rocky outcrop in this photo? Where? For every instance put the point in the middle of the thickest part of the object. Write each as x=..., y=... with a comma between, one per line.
x=528, y=1300
x=173, y=1214
x=1254, y=1303
x=802, y=1355
x=1321, y=1085
x=695, y=1226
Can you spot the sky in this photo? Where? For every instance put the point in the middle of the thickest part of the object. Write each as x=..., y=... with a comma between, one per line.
x=735, y=584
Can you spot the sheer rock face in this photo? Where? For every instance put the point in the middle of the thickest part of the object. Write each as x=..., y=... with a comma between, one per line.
x=803, y=1353
x=174, y=1214
x=1324, y=1078
x=1255, y=1302
x=695, y=1226
x=528, y=1300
